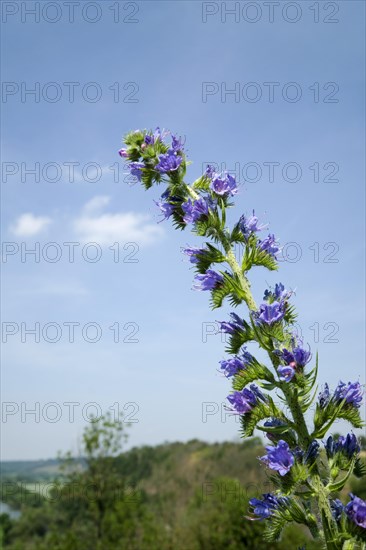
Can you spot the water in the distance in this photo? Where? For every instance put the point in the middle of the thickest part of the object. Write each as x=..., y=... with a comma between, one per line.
x=5, y=509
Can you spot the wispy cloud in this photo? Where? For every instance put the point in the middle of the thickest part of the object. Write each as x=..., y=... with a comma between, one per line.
x=29, y=225
x=61, y=289
x=94, y=225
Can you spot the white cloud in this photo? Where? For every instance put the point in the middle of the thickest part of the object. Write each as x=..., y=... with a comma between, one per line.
x=56, y=288
x=97, y=203
x=106, y=228
x=28, y=225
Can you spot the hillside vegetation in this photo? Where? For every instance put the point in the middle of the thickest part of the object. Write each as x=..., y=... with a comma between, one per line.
x=181, y=496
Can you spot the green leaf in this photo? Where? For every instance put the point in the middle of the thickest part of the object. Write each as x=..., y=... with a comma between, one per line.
x=236, y=235
x=291, y=511
x=269, y=387
x=254, y=256
x=135, y=139
x=253, y=371
x=274, y=528
x=290, y=314
x=209, y=226
x=201, y=184
x=285, y=431
x=260, y=412
x=211, y=256
x=240, y=337
x=309, y=380
x=324, y=417
x=230, y=288
x=268, y=332
x=177, y=221
x=338, y=485
x=293, y=480
x=148, y=177
x=360, y=468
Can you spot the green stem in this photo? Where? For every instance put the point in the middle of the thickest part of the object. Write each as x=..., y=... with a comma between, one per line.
x=191, y=192
x=291, y=396
x=231, y=259
x=297, y=415
x=328, y=523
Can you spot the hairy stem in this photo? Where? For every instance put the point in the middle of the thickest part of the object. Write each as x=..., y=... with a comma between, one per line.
x=291, y=395
x=243, y=280
x=327, y=524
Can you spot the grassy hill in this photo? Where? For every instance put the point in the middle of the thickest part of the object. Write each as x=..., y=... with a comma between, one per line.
x=181, y=496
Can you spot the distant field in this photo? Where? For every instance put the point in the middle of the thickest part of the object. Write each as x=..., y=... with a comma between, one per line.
x=31, y=470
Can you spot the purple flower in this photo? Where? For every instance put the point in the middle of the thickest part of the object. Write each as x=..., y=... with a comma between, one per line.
x=168, y=162
x=208, y=280
x=298, y=355
x=271, y=313
x=257, y=392
x=194, y=210
x=177, y=144
x=231, y=366
x=351, y=392
x=250, y=225
x=150, y=139
x=302, y=356
x=279, y=458
x=337, y=508
x=287, y=356
x=123, y=153
x=223, y=184
x=229, y=327
x=356, y=511
x=269, y=245
x=324, y=397
x=193, y=253
x=242, y=401
x=330, y=447
x=166, y=208
x=278, y=294
x=312, y=451
x=210, y=171
x=136, y=169
x=286, y=373
x=348, y=445
x=246, y=356
x=264, y=508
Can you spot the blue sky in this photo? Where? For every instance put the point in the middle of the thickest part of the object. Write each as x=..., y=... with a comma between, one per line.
x=171, y=69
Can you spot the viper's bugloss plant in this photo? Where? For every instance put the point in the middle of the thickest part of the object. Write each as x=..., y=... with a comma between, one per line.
x=307, y=470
